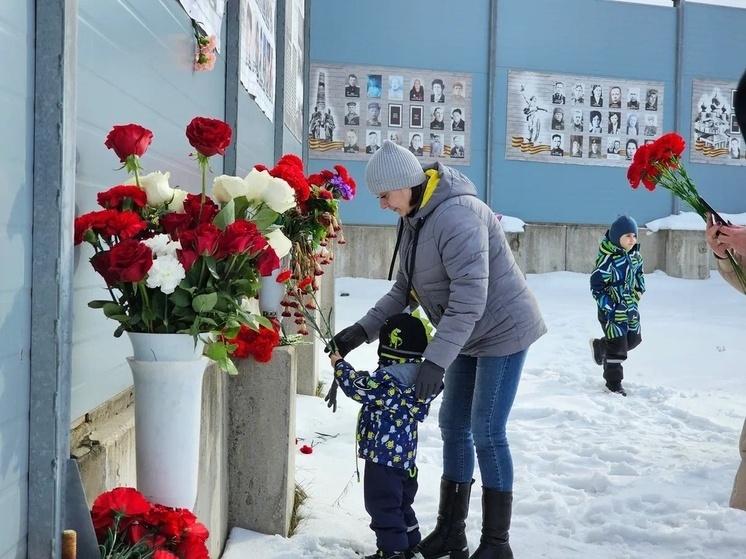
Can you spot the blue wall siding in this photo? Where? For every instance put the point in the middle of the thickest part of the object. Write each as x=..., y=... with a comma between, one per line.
x=714, y=47
x=16, y=152
x=429, y=35
x=134, y=65
x=573, y=37
x=255, y=136
x=617, y=39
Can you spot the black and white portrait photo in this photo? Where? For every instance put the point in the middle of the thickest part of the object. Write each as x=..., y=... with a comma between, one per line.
x=415, y=143
x=615, y=97
x=613, y=145
x=578, y=94
x=615, y=122
x=352, y=118
x=415, y=116
x=352, y=89
x=594, y=151
x=577, y=120
x=436, y=145
x=374, y=114
x=597, y=95
x=417, y=92
x=633, y=98
x=651, y=100
x=372, y=144
x=457, y=93
x=395, y=115
x=437, y=119
x=395, y=136
x=351, y=145
x=558, y=97
x=651, y=125
x=576, y=145
x=457, y=120
x=457, y=146
x=734, y=148
x=558, y=118
x=557, y=145
x=594, y=124
x=437, y=95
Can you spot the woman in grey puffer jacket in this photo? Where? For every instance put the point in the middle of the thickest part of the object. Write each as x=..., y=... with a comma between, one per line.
x=456, y=264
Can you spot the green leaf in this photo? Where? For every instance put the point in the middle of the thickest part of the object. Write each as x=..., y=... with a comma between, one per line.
x=204, y=303
x=112, y=309
x=264, y=218
x=98, y=304
x=217, y=351
x=226, y=216
x=264, y=321
x=180, y=298
x=212, y=266
x=241, y=206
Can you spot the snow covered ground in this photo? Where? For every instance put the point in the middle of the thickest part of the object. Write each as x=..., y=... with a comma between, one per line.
x=596, y=475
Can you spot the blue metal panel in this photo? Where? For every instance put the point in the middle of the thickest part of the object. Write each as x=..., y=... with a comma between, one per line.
x=573, y=37
x=428, y=35
x=16, y=152
x=255, y=137
x=713, y=49
x=134, y=65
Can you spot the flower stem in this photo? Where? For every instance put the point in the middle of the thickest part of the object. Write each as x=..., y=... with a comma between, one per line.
x=738, y=271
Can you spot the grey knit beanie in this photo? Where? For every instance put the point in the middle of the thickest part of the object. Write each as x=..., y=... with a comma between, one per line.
x=393, y=168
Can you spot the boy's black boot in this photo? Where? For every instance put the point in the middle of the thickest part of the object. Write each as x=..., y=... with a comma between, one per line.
x=497, y=508
x=448, y=539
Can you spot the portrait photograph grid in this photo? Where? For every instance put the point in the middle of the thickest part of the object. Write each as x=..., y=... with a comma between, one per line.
x=355, y=108
x=585, y=120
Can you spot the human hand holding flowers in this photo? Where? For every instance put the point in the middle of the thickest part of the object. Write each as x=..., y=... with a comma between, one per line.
x=659, y=164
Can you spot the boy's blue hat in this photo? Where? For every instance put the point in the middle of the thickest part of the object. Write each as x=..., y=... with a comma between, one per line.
x=403, y=337
x=623, y=225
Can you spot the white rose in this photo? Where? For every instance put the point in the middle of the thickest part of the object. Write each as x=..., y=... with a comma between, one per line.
x=279, y=242
x=156, y=187
x=225, y=188
x=279, y=195
x=177, y=202
x=257, y=182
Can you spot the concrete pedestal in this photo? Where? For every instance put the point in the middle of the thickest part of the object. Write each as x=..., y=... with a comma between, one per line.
x=261, y=443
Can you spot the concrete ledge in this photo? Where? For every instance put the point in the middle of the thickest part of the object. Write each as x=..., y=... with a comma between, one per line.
x=261, y=443
x=541, y=248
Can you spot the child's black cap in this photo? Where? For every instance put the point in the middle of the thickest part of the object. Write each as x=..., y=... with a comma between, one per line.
x=402, y=336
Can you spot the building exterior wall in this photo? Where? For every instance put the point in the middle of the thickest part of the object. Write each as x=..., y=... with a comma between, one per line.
x=602, y=38
x=16, y=174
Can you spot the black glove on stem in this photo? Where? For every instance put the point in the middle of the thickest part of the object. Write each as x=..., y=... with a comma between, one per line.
x=429, y=379
x=331, y=396
x=348, y=339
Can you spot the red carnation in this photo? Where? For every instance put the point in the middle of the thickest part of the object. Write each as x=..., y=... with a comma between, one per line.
x=284, y=276
x=123, y=197
x=294, y=176
x=291, y=159
x=125, y=501
x=129, y=139
x=126, y=225
x=305, y=449
x=209, y=136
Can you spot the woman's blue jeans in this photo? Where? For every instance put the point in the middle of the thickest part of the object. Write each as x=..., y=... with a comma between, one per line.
x=478, y=395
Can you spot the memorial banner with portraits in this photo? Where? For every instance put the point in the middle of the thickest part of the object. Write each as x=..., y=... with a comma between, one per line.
x=584, y=120
x=257, y=52
x=716, y=136
x=294, y=32
x=354, y=108
x=207, y=13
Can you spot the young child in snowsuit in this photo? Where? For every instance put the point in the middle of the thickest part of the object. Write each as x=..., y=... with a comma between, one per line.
x=387, y=433
x=617, y=283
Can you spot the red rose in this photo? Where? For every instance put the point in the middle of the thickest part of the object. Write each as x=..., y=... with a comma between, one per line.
x=127, y=261
x=123, y=197
x=128, y=139
x=203, y=239
x=201, y=213
x=240, y=236
x=209, y=136
x=176, y=224
x=267, y=262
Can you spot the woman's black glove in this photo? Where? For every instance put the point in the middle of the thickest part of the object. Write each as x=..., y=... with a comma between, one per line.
x=429, y=379
x=348, y=339
x=331, y=396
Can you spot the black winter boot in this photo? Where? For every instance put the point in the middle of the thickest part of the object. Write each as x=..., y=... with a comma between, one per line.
x=384, y=555
x=497, y=507
x=448, y=539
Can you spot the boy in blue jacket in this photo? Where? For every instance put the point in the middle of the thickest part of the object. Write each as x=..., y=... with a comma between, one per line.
x=617, y=283
x=387, y=433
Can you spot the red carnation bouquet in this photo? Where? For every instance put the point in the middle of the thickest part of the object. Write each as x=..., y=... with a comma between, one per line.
x=659, y=164
x=128, y=526
x=175, y=262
